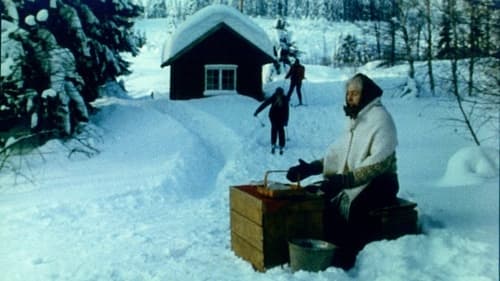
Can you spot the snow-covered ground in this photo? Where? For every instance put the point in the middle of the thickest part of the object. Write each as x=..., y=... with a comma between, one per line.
x=153, y=204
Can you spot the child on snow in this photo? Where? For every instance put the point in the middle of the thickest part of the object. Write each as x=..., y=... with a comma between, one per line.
x=278, y=115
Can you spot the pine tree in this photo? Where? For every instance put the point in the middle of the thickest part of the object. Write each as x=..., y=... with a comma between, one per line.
x=445, y=44
x=12, y=55
x=429, y=55
x=347, y=53
x=156, y=9
x=58, y=54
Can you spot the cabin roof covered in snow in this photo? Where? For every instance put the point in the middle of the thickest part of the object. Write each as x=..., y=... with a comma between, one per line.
x=203, y=21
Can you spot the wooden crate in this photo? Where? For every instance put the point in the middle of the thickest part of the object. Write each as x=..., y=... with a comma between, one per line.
x=394, y=221
x=261, y=226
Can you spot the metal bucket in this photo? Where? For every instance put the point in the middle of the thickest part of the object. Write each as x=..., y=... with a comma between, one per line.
x=310, y=254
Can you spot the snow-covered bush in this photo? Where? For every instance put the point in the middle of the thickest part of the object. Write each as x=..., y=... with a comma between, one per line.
x=12, y=55
x=346, y=52
x=352, y=52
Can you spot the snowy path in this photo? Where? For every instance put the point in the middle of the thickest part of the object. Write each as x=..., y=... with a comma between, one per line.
x=70, y=211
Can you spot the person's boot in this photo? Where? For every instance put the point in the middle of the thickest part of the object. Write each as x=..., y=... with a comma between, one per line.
x=281, y=150
x=273, y=149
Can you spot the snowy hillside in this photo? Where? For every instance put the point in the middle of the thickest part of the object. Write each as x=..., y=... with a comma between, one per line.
x=153, y=203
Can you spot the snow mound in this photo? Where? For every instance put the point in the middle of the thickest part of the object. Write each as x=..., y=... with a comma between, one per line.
x=471, y=165
x=445, y=259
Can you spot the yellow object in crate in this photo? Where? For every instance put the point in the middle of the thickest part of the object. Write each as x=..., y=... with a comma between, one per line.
x=277, y=189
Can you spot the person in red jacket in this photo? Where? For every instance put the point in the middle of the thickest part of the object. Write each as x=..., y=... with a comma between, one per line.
x=296, y=75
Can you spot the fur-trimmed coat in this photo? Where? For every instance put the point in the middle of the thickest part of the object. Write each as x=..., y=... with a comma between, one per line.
x=367, y=149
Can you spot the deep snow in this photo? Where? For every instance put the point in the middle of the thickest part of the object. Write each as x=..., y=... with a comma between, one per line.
x=153, y=204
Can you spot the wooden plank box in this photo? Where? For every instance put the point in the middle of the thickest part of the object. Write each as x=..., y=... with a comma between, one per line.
x=394, y=221
x=261, y=226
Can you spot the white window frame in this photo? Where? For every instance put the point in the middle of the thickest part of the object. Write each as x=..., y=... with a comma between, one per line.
x=220, y=68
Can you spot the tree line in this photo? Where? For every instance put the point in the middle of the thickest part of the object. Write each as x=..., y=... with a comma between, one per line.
x=331, y=10
x=408, y=30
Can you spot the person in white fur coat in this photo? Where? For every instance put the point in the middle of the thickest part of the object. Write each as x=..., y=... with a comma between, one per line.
x=359, y=168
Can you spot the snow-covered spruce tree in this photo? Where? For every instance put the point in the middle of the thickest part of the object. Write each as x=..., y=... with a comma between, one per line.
x=55, y=56
x=12, y=56
x=348, y=52
x=445, y=44
x=156, y=9
x=107, y=25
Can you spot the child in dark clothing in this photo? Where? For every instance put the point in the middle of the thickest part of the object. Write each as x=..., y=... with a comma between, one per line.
x=296, y=75
x=278, y=115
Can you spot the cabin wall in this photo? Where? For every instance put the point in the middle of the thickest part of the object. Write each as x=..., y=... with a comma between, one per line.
x=223, y=46
x=250, y=81
x=186, y=80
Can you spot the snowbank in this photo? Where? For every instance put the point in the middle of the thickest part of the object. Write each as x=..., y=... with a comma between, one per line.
x=471, y=166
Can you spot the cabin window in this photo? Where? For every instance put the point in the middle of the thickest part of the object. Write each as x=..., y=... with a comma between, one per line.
x=220, y=77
